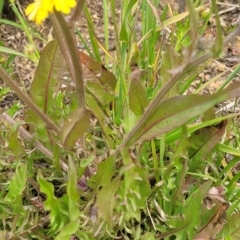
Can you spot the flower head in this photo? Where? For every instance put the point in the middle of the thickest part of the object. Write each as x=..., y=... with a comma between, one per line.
x=40, y=9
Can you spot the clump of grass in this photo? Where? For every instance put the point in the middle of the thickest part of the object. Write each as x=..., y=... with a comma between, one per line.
x=126, y=153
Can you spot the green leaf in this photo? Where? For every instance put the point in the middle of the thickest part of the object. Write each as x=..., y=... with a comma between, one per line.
x=101, y=117
x=137, y=97
x=177, y=111
x=175, y=134
x=86, y=161
x=106, y=200
x=99, y=93
x=17, y=184
x=232, y=228
x=48, y=73
x=72, y=191
x=95, y=71
x=217, y=47
x=123, y=31
x=103, y=175
x=101, y=178
x=11, y=51
x=193, y=17
x=228, y=149
x=57, y=207
x=77, y=125
x=136, y=190
x=170, y=63
x=15, y=144
x=68, y=230
x=192, y=210
x=202, y=142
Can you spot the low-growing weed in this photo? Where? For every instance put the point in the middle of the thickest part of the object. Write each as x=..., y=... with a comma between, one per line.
x=120, y=144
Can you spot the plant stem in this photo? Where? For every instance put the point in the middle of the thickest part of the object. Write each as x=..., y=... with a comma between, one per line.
x=28, y=101
x=69, y=49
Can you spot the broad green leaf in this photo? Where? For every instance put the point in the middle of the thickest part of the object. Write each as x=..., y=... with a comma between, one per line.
x=177, y=111
x=77, y=125
x=17, y=184
x=231, y=230
x=101, y=117
x=103, y=175
x=72, y=191
x=137, y=97
x=106, y=200
x=49, y=72
x=95, y=71
x=129, y=120
x=100, y=93
x=68, y=230
x=193, y=208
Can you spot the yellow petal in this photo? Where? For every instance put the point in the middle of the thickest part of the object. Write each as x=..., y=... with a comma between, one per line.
x=64, y=5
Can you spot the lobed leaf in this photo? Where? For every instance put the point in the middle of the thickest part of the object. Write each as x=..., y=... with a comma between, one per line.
x=57, y=207
x=17, y=184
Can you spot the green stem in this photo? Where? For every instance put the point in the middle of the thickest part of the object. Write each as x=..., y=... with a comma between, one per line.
x=69, y=49
x=76, y=12
x=155, y=160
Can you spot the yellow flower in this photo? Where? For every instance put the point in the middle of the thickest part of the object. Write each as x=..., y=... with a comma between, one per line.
x=40, y=9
